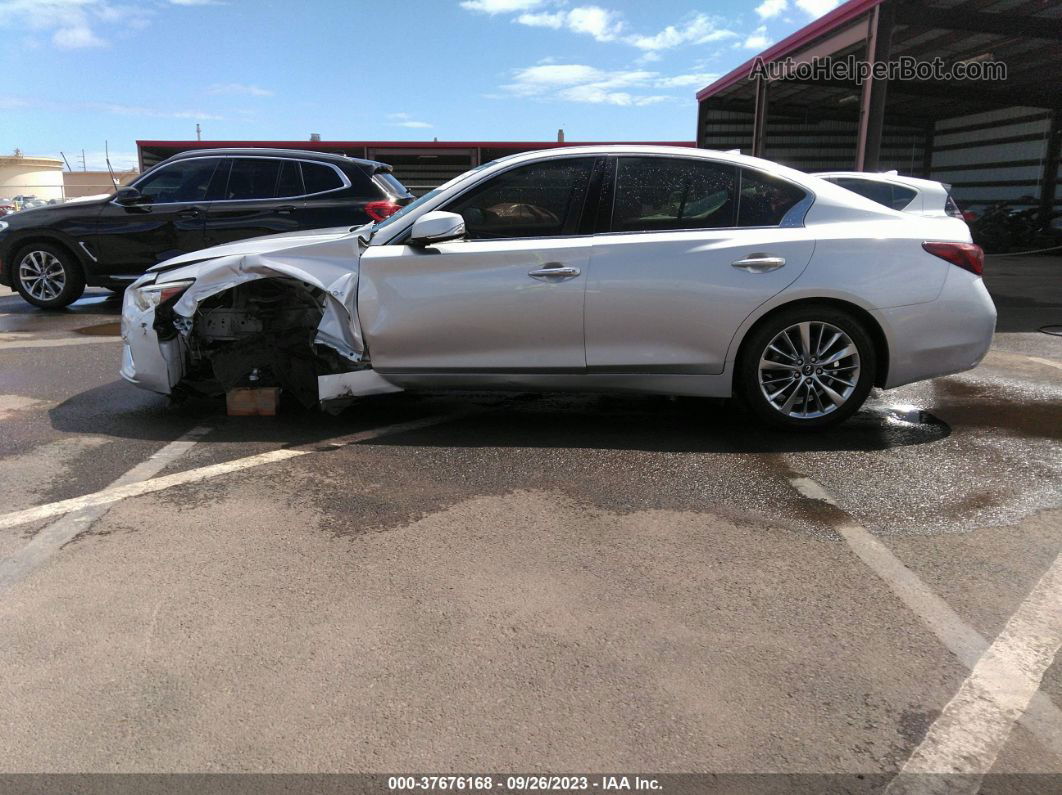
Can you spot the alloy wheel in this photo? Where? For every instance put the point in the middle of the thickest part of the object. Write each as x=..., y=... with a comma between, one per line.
x=42, y=275
x=809, y=370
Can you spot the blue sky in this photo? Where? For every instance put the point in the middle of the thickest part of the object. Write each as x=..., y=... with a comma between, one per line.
x=81, y=72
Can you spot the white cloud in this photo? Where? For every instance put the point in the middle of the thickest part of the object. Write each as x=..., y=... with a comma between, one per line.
x=816, y=8
x=605, y=25
x=595, y=21
x=699, y=29
x=80, y=24
x=555, y=21
x=197, y=2
x=588, y=84
x=500, y=6
x=758, y=39
x=769, y=9
x=405, y=120
x=239, y=88
x=602, y=24
x=76, y=37
x=698, y=79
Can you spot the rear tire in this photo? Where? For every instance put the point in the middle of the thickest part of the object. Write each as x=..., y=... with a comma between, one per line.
x=806, y=368
x=47, y=276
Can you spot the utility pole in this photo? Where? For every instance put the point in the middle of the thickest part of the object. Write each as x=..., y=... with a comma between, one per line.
x=198, y=132
x=84, y=167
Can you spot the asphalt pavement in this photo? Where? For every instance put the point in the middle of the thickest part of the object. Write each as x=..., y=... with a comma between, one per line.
x=518, y=582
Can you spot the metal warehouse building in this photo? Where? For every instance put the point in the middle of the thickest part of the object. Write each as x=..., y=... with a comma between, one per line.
x=991, y=140
x=420, y=165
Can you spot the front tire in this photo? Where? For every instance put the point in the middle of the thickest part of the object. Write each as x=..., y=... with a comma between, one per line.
x=806, y=368
x=47, y=276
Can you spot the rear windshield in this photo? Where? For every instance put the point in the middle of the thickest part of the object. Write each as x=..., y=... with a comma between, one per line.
x=896, y=197
x=952, y=208
x=391, y=184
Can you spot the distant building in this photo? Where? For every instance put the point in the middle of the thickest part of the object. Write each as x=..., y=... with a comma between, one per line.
x=92, y=183
x=22, y=175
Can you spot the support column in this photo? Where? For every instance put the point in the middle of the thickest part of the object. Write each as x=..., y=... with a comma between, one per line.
x=872, y=104
x=1049, y=180
x=759, y=119
x=928, y=136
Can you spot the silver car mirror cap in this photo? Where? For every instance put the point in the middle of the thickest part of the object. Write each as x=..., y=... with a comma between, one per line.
x=436, y=227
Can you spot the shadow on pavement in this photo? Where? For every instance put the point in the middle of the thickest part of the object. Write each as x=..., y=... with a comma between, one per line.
x=591, y=421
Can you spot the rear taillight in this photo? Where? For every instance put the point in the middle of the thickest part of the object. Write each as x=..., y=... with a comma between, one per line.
x=969, y=216
x=378, y=211
x=966, y=255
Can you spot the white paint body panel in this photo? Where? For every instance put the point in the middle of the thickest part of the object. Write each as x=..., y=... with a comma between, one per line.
x=650, y=312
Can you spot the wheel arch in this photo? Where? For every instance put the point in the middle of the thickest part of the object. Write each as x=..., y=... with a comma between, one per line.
x=20, y=244
x=873, y=327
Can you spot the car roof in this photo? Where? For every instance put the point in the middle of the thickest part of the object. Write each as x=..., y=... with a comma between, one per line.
x=301, y=154
x=717, y=155
x=888, y=176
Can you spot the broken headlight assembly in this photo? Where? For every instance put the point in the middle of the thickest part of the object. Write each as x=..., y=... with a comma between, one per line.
x=151, y=296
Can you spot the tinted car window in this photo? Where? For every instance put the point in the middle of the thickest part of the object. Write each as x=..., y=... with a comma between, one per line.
x=319, y=177
x=765, y=199
x=252, y=178
x=894, y=196
x=537, y=200
x=901, y=197
x=290, y=182
x=391, y=183
x=183, y=181
x=656, y=193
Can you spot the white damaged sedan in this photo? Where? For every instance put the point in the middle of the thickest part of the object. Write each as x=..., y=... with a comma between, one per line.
x=609, y=268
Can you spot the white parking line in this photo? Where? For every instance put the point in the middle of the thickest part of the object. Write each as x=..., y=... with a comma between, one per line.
x=974, y=726
x=1042, y=717
x=125, y=489
x=1048, y=362
x=57, y=343
x=49, y=540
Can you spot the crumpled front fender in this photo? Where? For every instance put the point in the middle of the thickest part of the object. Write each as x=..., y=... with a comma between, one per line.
x=159, y=366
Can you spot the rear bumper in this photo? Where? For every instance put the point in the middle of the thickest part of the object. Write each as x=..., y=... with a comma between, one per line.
x=948, y=335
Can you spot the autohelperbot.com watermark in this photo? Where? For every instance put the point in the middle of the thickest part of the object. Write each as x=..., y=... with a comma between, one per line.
x=854, y=70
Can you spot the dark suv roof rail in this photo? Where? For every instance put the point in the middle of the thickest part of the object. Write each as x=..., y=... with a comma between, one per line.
x=301, y=154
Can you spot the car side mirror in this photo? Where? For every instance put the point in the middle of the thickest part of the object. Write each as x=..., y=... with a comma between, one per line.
x=436, y=227
x=128, y=197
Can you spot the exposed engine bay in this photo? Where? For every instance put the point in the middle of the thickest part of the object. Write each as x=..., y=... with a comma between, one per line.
x=258, y=334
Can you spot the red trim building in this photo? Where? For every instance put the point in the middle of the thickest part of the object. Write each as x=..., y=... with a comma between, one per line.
x=993, y=140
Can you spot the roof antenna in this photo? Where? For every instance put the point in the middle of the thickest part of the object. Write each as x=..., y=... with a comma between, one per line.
x=107, y=155
x=198, y=132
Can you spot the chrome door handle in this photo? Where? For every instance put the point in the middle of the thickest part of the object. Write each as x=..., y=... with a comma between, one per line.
x=554, y=270
x=759, y=263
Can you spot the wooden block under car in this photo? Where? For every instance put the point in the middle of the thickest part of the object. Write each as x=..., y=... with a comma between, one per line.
x=252, y=402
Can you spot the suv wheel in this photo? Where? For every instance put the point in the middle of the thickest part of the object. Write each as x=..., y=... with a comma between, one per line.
x=47, y=276
x=807, y=368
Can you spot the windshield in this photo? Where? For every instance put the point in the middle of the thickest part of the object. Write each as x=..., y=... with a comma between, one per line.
x=430, y=195
x=405, y=210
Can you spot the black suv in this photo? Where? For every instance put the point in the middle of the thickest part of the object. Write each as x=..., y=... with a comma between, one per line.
x=192, y=200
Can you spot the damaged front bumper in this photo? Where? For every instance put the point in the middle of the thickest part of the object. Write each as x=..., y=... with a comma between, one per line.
x=162, y=342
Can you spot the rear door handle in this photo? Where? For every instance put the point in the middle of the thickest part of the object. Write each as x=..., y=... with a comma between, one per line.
x=191, y=212
x=759, y=263
x=554, y=270
x=287, y=209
